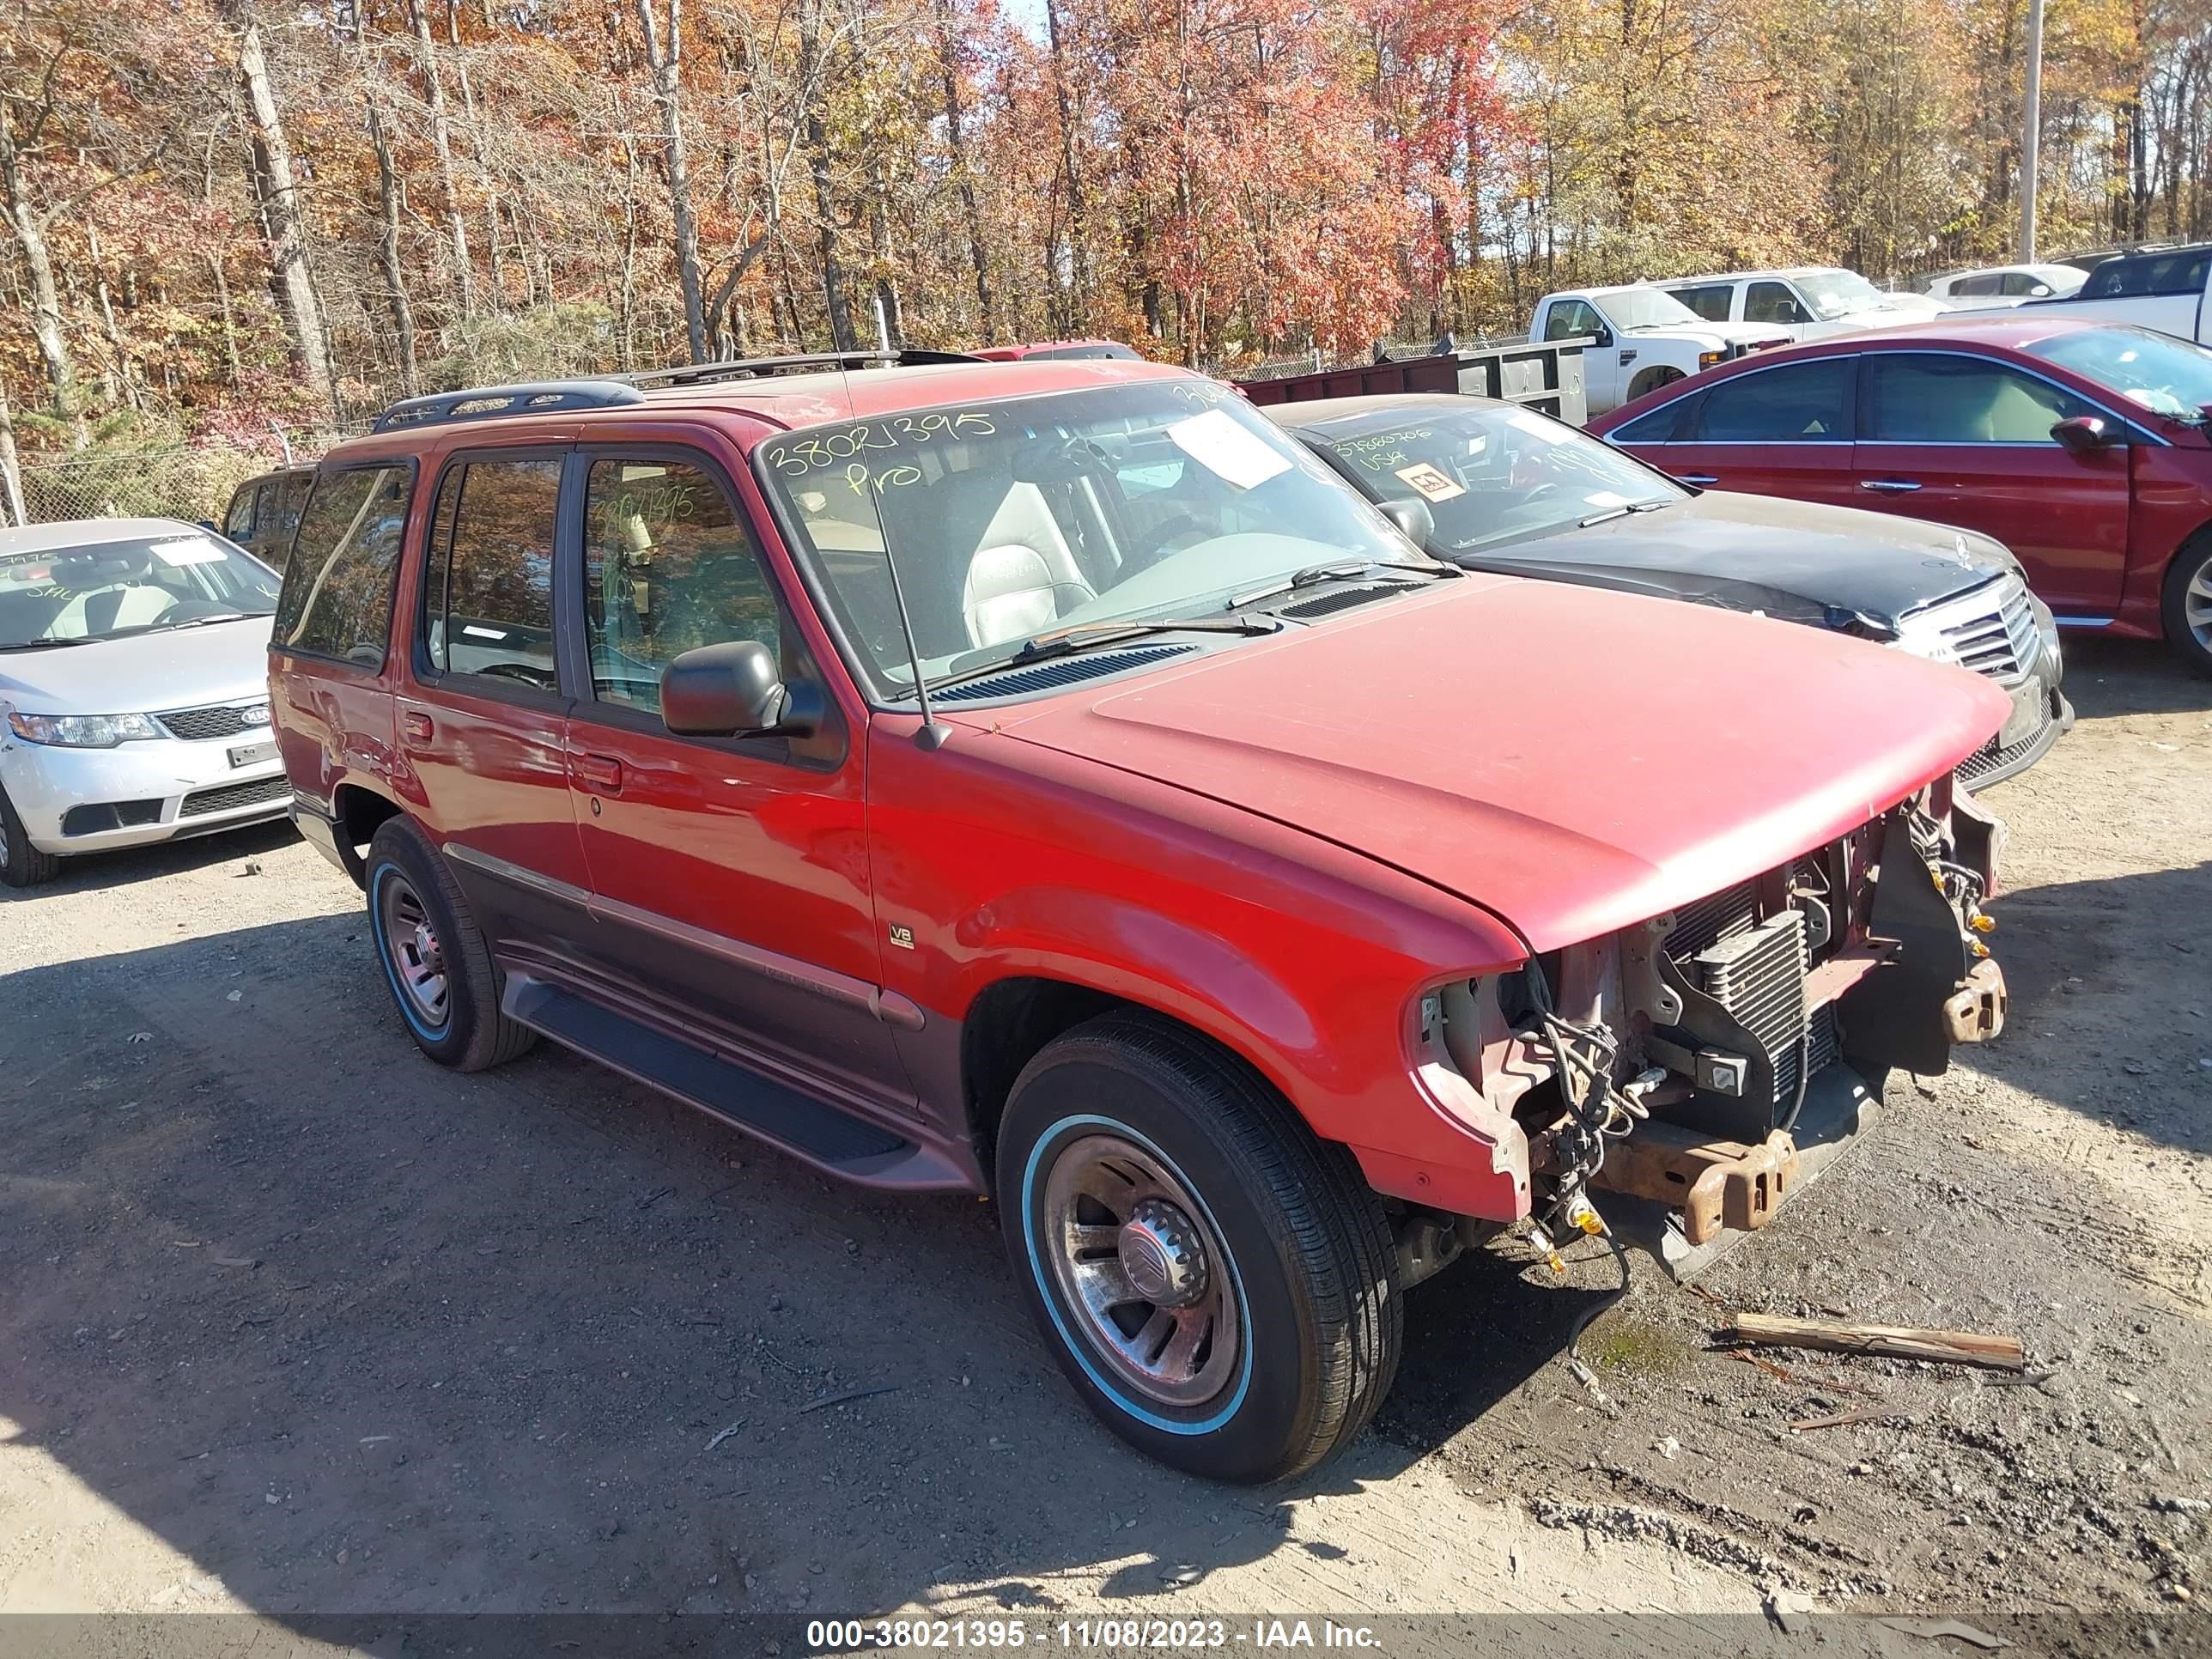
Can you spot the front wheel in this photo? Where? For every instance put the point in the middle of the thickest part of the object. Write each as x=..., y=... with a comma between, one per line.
x=1219, y=1286
x=21, y=865
x=2188, y=603
x=1651, y=380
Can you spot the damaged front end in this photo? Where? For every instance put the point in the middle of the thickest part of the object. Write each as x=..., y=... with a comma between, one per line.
x=1670, y=1062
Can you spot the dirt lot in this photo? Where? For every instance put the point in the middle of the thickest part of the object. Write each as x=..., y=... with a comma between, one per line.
x=295, y=1323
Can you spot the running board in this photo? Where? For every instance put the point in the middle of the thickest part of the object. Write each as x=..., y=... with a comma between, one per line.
x=836, y=1140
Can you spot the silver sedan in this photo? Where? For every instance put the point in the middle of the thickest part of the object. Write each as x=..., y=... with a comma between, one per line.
x=134, y=698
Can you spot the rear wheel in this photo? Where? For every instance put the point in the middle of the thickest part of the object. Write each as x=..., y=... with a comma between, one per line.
x=2187, y=612
x=1220, y=1287
x=440, y=969
x=21, y=865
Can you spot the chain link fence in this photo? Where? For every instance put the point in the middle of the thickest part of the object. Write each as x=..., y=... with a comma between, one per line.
x=187, y=481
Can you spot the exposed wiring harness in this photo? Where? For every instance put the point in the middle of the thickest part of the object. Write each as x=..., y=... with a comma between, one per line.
x=1597, y=1111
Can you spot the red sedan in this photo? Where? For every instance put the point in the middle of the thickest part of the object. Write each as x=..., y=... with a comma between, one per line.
x=2082, y=446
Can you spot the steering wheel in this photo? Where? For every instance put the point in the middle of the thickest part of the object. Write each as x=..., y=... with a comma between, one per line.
x=524, y=673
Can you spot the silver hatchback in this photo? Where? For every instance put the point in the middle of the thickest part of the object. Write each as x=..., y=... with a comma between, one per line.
x=134, y=697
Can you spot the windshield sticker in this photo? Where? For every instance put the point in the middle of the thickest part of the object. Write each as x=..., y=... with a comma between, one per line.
x=1382, y=452
x=1218, y=443
x=907, y=433
x=193, y=549
x=1433, y=483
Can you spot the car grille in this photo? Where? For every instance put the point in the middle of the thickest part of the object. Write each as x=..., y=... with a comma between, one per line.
x=1992, y=758
x=228, y=797
x=1992, y=632
x=200, y=725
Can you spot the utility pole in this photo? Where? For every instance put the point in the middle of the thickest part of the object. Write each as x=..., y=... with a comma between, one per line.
x=2031, y=132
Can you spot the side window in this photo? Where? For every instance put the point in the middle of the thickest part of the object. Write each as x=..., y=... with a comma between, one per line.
x=669, y=565
x=264, y=509
x=1570, y=320
x=1656, y=428
x=1917, y=398
x=1771, y=302
x=1803, y=403
x=238, y=523
x=1968, y=287
x=489, y=576
x=337, y=599
x=1710, y=300
x=293, y=497
x=2117, y=279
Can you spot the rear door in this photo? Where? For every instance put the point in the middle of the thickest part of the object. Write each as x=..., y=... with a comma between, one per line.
x=1784, y=430
x=1965, y=440
x=731, y=876
x=483, y=712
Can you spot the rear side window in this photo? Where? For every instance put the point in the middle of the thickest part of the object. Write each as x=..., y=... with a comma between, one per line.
x=1969, y=288
x=1801, y=403
x=238, y=523
x=294, y=496
x=669, y=566
x=1710, y=300
x=336, y=599
x=489, y=577
x=1656, y=428
x=1913, y=397
x=2180, y=272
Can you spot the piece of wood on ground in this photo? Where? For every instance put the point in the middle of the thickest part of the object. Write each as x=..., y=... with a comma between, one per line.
x=1889, y=1341
x=1844, y=1420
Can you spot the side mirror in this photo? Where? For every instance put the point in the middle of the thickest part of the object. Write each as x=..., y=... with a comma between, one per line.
x=1603, y=336
x=731, y=691
x=2085, y=434
x=1412, y=516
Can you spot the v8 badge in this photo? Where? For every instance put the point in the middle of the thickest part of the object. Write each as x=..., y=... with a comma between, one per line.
x=901, y=936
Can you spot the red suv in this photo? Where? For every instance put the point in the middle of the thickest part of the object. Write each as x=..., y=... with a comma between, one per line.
x=1046, y=780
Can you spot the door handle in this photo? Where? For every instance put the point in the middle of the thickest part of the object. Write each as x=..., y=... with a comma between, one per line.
x=1700, y=478
x=600, y=773
x=1889, y=486
x=417, y=728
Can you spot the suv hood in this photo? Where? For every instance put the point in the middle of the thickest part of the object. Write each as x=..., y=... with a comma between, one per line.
x=1573, y=761
x=142, y=674
x=1794, y=559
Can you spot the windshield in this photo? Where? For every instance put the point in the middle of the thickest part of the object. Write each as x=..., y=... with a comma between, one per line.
x=1492, y=474
x=1645, y=307
x=1014, y=518
x=108, y=590
x=1834, y=294
x=2161, y=373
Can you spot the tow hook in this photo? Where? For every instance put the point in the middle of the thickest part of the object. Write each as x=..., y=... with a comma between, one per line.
x=1975, y=1012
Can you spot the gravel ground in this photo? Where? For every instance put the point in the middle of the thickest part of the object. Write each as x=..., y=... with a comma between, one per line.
x=296, y=1323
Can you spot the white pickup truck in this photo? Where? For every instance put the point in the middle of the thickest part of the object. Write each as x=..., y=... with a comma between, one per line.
x=1641, y=338
x=2163, y=289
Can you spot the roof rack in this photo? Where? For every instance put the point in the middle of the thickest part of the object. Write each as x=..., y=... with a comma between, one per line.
x=486, y=402
x=747, y=369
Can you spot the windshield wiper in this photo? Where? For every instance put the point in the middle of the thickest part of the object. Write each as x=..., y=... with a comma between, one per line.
x=44, y=645
x=1086, y=636
x=1623, y=511
x=197, y=622
x=1335, y=570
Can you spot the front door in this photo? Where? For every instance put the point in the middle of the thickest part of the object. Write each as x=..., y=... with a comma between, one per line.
x=731, y=876
x=1966, y=441
x=1778, y=431
x=480, y=720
